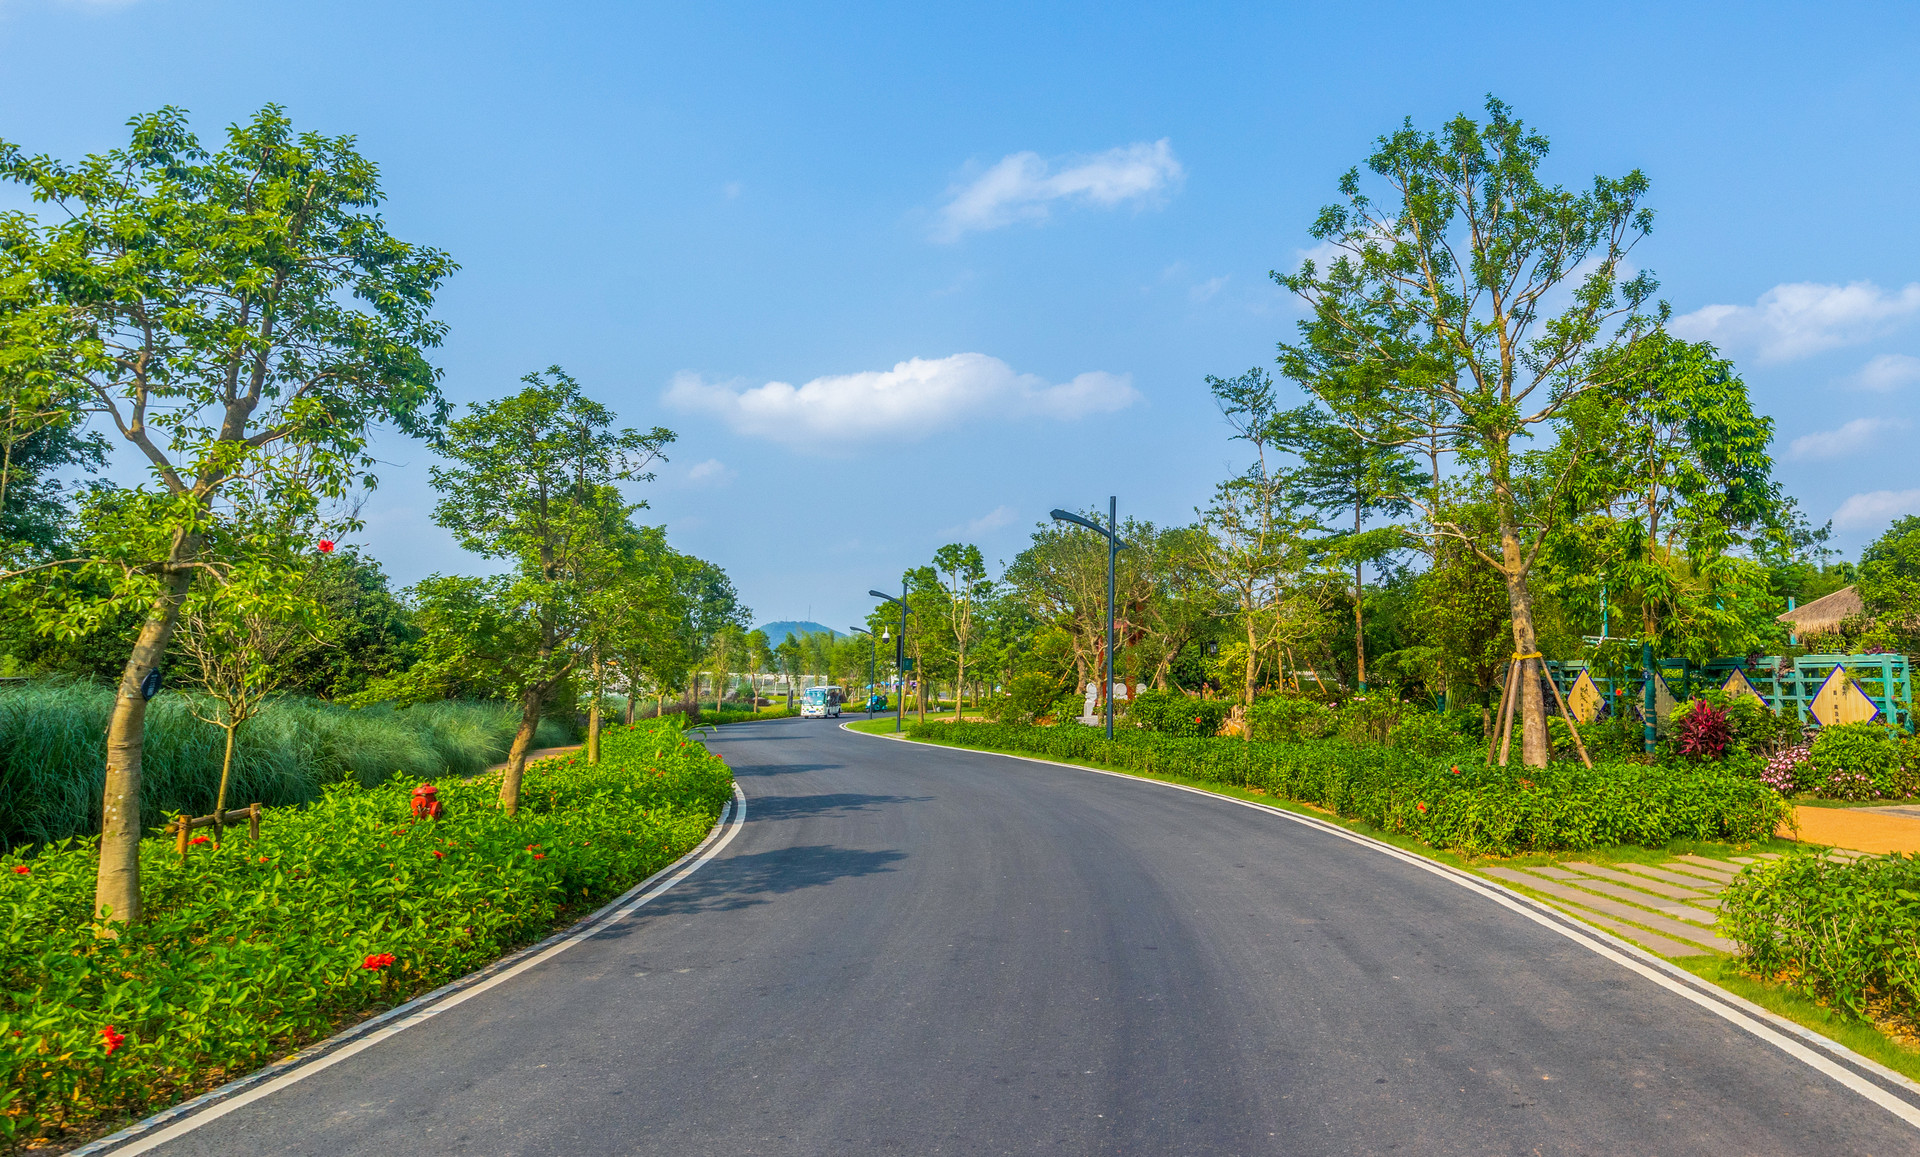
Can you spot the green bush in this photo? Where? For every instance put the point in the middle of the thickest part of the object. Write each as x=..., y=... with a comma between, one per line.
x=1428, y=733
x=1173, y=713
x=1847, y=933
x=53, y=753
x=1288, y=719
x=251, y=949
x=1857, y=761
x=1028, y=697
x=1459, y=804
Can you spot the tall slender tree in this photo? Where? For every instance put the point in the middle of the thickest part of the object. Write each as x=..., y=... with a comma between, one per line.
x=242, y=318
x=1440, y=305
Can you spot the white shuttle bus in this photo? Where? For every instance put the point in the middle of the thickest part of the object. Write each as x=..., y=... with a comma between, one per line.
x=822, y=702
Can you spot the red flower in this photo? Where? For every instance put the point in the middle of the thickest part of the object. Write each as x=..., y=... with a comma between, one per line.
x=439, y=855
x=22, y=870
x=198, y=840
x=1421, y=806
x=263, y=859
x=539, y=855
x=377, y=961
x=325, y=545
x=114, y=1039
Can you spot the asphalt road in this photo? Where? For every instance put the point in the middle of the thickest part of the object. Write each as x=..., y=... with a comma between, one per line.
x=921, y=951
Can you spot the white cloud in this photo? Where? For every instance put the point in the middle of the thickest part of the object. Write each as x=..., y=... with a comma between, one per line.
x=1024, y=186
x=1876, y=507
x=1206, y=290
x=912, y=400
x=1888, y=372
x=1802, y=318
x=993, y=519
x=1851, y=438
x=712, y=472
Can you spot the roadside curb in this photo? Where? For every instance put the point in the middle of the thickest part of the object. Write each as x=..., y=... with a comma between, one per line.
x=1872, y=1080
x=170, y=1123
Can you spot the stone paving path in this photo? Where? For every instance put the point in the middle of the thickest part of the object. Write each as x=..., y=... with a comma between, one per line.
x=1667, y=908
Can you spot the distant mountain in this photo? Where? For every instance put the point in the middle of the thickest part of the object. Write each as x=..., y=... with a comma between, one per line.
x=777, y=632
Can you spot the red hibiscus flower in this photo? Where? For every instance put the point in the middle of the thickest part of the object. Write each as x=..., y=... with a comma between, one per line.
x=198, y=840
x=377, y=961
x=22, y=870
x=1421, y=806
x=325, y=546
x=439, y=855
x=114, y=1040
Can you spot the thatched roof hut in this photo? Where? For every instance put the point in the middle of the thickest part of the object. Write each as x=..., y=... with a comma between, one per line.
x=1825, y=613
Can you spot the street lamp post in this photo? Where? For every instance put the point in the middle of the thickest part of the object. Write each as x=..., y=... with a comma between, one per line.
x=1110, y=532
x=899, y=651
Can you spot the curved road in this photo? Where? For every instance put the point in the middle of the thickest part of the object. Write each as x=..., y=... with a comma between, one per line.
x=908, y=950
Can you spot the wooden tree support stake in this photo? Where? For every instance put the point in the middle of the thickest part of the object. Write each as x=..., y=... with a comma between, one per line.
x=180, y=826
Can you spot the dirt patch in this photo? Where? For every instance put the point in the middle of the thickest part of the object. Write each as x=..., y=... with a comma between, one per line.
x=1857, y=830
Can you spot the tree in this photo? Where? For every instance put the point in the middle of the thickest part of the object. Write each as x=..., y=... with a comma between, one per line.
x=1437, y=310
x=759, y=657
x=1344, y=472
x=1889, y=582
x=237, y=651
x=242, y=318
x=961, y=576
x=364, y=632
x=1259, y=548
x=788, y=652
x=532, y=482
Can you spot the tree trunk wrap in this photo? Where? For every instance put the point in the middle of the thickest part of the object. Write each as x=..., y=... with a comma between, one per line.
x=116, y=891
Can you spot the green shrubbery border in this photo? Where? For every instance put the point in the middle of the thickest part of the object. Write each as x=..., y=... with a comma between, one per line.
x=342, y=907
x=1457, y=804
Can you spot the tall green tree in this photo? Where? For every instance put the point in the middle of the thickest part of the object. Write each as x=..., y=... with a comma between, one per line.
x=242, y=318
x=531, y=481
x=1343, y=474
x=1474, y=301
x=960, y=573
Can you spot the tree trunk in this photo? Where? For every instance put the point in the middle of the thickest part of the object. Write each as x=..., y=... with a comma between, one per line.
x=116, y=890
x=1535, y=748
x=960, y=689
x=226, y=767
x=631, y=706
x=1253, y=661
x=1359, y=620
x=593, y=715
x=531, y=701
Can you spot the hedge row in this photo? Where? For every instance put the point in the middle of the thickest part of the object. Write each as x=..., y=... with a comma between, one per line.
x=1448, y=804
x=343, y=907
x=1848, y=933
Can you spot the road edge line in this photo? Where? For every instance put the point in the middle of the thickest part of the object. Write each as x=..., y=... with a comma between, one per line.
x=1730, y=1007
x=181, y=1119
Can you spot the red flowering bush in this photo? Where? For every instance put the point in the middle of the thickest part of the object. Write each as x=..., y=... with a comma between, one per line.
x=377, y=961
x=1703, y=733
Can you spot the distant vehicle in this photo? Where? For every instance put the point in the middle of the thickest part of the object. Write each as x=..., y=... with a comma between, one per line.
x=876, y=703
x=822, y=702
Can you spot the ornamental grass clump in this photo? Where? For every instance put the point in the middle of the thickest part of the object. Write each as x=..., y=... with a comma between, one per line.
x=343, y=907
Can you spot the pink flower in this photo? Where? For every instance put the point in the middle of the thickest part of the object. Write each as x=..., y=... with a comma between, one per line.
x=377, y=961
x=114, y=1040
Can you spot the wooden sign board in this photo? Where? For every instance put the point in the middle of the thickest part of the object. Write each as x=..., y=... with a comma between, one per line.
x=1585, y=699
x=1737, y=686
x=1841, y=700
x=1663, y=700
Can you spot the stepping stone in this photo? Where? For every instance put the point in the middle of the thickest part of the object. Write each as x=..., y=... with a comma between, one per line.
x=1554, y=873
x=1640, y=882
x=1630, y=895
x=1720, y=868
x=1652, y=942
x=1654, y=920
x=1697, y=883
x=1690, y=914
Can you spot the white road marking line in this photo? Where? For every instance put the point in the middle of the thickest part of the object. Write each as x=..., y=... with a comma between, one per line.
x=1597, y=940
x=615, y=911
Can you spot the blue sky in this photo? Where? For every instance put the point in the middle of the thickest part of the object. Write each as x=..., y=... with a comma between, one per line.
x=900, y=277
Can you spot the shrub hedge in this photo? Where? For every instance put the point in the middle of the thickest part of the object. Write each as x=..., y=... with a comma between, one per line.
x=1458, y=804
x=1846, y=933
x=346, y=906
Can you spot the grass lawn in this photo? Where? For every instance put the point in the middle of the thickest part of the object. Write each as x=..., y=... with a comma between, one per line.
x=1860, y=1036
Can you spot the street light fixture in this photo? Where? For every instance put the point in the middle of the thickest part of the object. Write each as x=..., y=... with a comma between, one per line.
x=899, y=652
x=1114, y=546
